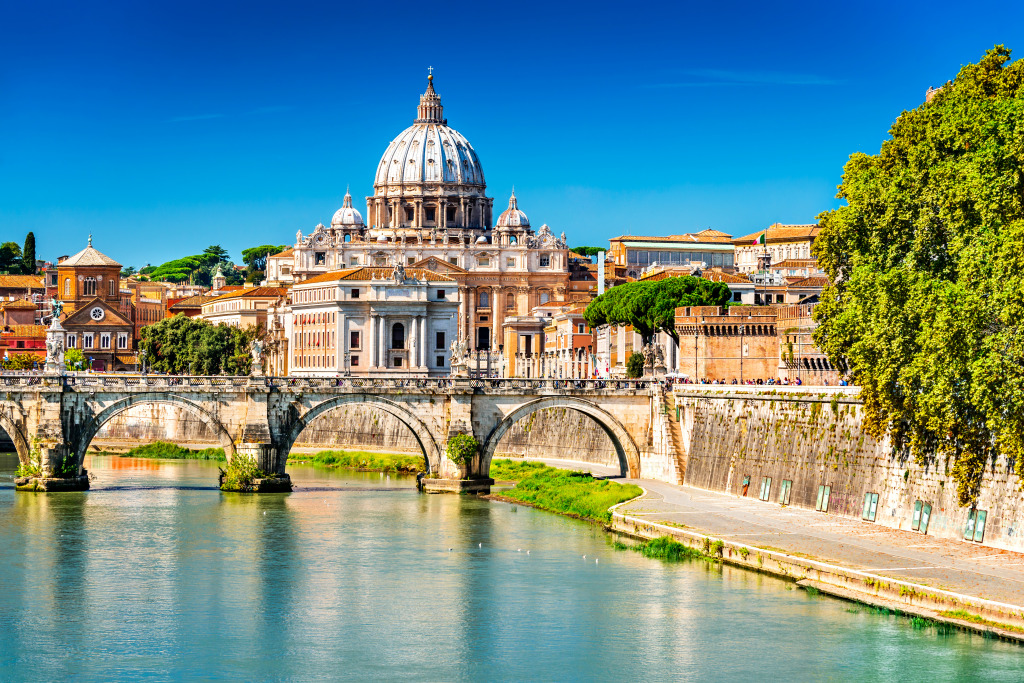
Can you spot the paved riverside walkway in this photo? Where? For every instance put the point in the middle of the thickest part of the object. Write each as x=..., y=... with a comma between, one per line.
x=960, y=567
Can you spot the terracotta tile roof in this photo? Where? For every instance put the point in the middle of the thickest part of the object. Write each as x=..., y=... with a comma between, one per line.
x=251, y=293
x=812, y=281
x=780, y=233
x=364, y=274
x=21, y=282
x=14, y=305
x=192, y=302
x=30, y=331
x=719, y=276
x=89, y=257
x=796, y=263
x=708, y=235
x=283, y=254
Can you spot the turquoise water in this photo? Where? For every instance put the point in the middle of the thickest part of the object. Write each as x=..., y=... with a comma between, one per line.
x=156, y=575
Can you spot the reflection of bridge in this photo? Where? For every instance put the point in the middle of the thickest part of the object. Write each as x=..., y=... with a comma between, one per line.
x=53, y=419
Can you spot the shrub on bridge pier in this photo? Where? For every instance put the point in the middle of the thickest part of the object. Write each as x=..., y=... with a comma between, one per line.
x=241, y=474
x=462, y=448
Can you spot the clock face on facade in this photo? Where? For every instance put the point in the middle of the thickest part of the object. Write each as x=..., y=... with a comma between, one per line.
x=96, y=313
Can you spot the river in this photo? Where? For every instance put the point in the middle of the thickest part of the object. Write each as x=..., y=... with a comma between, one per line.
x=155, y=574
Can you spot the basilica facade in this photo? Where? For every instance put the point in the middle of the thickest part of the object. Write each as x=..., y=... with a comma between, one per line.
x=430, y=211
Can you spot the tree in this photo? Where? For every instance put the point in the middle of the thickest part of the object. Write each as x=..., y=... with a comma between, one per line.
x=74, y=359
x=127, y=271
x=214, y=254
x=10, y=257
x=191, y=346
x=21, y=361
x=28, y=255
x=256, y=257
x=650, y=306
x=927, y=276
x=635, y=365
x=588, y=251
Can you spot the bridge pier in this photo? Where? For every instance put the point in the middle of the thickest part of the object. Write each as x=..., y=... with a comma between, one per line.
x=267, y=459
x=56, y=469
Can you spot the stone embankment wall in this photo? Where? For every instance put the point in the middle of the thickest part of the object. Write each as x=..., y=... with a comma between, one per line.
x=550, y=433
x=813, y=438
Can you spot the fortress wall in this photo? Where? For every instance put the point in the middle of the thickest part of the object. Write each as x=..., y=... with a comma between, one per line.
x=818, y=440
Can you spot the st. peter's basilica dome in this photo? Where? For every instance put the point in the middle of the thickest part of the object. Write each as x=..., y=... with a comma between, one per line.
x=512, y=217
x=347, y=216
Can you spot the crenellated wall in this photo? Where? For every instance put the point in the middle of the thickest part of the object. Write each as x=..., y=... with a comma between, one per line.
x=813, y=437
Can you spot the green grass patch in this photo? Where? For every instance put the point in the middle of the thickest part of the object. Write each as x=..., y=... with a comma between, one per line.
x=171, y=451
x=362, y=460
x=976, y=619
x=564, y=491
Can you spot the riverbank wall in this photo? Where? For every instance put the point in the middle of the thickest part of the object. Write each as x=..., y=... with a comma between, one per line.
x=807, y=447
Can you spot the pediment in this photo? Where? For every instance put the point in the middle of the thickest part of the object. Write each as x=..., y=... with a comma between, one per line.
x=438, y=266
x=82, y=317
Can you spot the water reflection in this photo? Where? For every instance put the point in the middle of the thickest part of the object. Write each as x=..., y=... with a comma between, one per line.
x=156, y=574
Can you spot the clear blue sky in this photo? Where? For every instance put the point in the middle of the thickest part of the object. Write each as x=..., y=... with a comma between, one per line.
x=163, y=127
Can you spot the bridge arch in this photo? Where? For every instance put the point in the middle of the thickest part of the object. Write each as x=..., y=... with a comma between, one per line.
x=625, y=446
x=90, y=428
x=14, y=431
x=425, y=439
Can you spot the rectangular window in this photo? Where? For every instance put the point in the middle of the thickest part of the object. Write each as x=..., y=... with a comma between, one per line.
x=824, y=492
x=581, y=328
x=766, y=488
x=915, y=523
x=484, y=262
x=410, y=260
x=440, y=294
x=353, y=340
x=321, y=258
x=355, y=293
x=784, y=491
x=510, y=263
x=440, y=361
x=398, y=362
x=545, y=261
x=870, y=506
x=737, y=297
x=355, y=361
x=453, y=259
x=439, y=340
x=354, y=261
x=430, y=213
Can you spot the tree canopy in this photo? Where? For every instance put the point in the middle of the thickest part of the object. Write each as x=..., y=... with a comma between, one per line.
x=197, y=269
x=184, y=346
x=650, y=306
x=926, y=261
x=256, y=257
x=28, y=255
x=10, y=257
x=588, y=251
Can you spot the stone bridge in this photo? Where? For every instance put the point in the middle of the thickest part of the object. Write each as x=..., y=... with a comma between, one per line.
x=52, y=419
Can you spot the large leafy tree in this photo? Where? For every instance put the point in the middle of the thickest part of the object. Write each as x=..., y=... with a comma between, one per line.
x=187, y=346
x=926, y=262
x=10, y=257
x=256, y=257
x=650, y=306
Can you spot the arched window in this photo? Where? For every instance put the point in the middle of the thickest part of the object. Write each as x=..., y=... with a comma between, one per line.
x=510, y=301
x=544, y=296
x=113, y=287
x=89, y=287
x=398, y=336
x=67, y=287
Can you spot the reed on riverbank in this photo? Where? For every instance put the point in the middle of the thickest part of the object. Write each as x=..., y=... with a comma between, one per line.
x=362, y=460
x=577, y=494
x=171, y=451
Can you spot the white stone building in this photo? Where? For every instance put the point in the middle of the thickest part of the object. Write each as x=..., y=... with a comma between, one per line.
x=372, y=322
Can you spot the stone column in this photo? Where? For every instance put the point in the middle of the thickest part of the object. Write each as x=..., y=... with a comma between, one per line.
x=471, y=321
x=369, y=339
x=463, y=307
x=412, y=342
x=424, y=362
x=382, y=350
x=495, y=316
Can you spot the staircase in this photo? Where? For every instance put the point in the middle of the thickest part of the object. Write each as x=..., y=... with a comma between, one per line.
x=675, y=434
